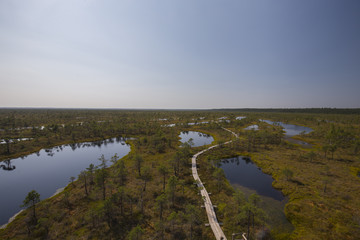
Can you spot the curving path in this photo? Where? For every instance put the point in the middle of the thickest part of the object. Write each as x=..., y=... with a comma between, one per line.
x=230, y=132
x=214, y=224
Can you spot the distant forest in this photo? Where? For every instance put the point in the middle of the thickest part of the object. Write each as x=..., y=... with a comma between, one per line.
x=295, y=110
x=250, y=110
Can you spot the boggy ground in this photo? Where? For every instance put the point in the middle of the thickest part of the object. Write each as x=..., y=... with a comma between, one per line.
x=321, y=182
x=149, y=194
x=322, y=185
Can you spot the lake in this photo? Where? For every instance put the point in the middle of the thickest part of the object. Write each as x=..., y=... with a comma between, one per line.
x=199, y=139
x=49, y=170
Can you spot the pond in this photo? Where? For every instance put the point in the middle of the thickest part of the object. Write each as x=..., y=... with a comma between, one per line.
x=242, y=171
x=240, y=118
x=197, y=123
x=290, y=129
x=244, y=175
x=252, y=127
x=169, y=125
x=49, y=170
x=199, y=139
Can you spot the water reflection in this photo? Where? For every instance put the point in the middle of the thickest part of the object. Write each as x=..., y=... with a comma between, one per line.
x=242, y=171
x=7, y=166
x=197, y=123
x=252, y=127
x=50, y=169
x=240, y=118
x=290, y=129
x=198, y=138
x=169, y=125
x=3, y=141
x=243, y=174
x=51, y=151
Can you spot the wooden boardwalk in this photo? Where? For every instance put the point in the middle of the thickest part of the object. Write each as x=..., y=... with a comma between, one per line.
x=213, y=222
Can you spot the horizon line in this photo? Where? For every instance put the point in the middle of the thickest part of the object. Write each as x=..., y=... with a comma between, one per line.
x=195, y=109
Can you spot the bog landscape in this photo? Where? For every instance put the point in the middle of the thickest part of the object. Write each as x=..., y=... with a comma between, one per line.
x=279, y=174
x=179, y=120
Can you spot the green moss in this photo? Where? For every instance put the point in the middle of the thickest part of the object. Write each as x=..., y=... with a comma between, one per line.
x=355, y=171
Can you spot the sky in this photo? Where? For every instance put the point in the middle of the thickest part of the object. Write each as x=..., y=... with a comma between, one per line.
x=180, y=54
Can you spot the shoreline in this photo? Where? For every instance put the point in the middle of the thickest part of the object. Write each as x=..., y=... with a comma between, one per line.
x=60, y=143
x=59, y=190
x=11, y=219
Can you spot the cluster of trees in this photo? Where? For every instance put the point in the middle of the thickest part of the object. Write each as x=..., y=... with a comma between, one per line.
x=244, y=215
x=55, y=127
x=150, y=193
x=157, y=143
x=51, y=127
x=120, y=201
x=252, y=140
x=340, y=137
x=256, y=139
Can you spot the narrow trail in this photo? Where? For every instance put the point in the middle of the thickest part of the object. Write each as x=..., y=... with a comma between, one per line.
x=214, y=224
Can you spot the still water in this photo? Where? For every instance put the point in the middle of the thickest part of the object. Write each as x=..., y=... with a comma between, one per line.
x=290, y=129
x=252, y=127
x=199, y=139
x=246, y=176
x=49, y=170
x=242, y=171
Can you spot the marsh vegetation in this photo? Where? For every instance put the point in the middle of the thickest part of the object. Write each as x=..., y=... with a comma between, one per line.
x=150, y=193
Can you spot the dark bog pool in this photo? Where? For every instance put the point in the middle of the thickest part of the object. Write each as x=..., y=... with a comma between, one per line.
x=199, y=139
x=242, y=171
x=49, y=170
x=290, y=129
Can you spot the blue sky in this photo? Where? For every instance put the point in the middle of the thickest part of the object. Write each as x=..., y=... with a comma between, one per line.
x=179, y=54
